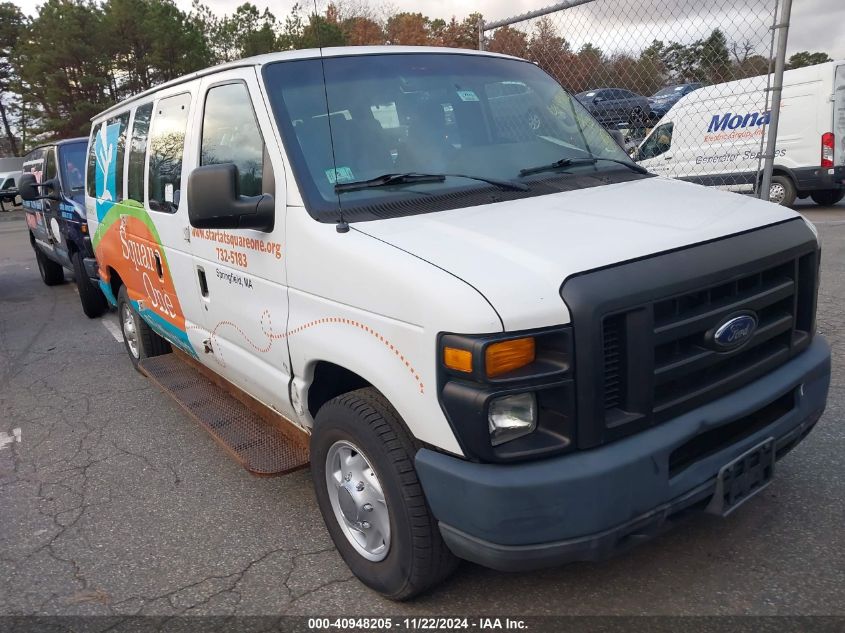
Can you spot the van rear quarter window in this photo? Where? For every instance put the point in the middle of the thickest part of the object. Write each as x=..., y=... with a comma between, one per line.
x=167, y=143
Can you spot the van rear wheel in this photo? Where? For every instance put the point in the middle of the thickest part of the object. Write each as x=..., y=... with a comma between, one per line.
x=782, y=191
x=362, y=466
x=92, y=299
x=828, y=197
x=138, y=338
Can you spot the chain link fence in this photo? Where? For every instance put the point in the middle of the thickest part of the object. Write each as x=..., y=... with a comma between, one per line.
x=689, y=83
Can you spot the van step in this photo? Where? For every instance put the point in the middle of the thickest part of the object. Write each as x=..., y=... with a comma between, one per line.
x=259, y=439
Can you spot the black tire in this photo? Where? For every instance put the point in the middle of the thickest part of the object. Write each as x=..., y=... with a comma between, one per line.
x=148, y=343
x=786, y=191
x=92, y=299
x=417, y=558
x=828, y=197
x=52, y=274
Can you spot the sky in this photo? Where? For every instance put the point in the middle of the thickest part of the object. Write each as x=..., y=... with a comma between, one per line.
x=816, y=25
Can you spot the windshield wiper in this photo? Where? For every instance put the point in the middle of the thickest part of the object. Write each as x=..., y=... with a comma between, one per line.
x=410, y=178
x=563, y=163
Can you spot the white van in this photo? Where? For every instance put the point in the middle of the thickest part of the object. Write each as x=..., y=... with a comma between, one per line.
x=10, y=173
x=715, y=136
x=496, y=346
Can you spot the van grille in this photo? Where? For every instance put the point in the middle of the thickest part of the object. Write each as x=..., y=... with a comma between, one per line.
x=614, y=361
x=685, y=371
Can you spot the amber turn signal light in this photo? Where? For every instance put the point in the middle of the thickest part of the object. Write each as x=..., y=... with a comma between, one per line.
x=506, y=356
x=458, y=359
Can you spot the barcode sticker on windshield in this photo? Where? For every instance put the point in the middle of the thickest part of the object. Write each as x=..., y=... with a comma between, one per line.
x=467, y=95
x=339, y=174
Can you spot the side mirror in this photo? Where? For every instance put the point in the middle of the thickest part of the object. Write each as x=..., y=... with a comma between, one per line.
x=214, y=202
x=618, y=137
x=598, y=99
x=28, y=188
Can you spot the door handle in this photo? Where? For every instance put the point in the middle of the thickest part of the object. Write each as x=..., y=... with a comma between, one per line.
x=159, y=269
x=203, y=282
x=667, y=158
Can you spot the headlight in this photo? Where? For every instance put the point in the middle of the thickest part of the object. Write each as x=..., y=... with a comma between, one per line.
x=508, y=396
x=511, y=417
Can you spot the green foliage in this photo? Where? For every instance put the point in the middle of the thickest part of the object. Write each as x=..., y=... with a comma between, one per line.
x=321, y=32
x=12, y=26
x=76, y=57
x=806, y=58
x=66, y=72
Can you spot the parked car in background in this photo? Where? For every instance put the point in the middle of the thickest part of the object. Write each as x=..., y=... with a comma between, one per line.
x=714, y=136
x=52, y=186
x=665, y=98
x=612, y=106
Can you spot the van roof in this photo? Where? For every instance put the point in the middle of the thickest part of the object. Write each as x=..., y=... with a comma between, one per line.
x=752, y=84
x=64, y=141
x=306, y=53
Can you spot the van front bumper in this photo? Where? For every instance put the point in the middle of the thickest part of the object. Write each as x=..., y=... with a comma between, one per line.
x=590, y=504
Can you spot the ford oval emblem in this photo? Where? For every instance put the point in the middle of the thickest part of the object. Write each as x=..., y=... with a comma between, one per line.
x=734, y=331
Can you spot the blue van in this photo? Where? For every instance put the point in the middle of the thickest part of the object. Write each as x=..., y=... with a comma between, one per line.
x=52, y=185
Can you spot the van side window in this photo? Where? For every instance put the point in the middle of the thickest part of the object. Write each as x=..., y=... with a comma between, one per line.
x=659, y=142
x=122, y=121
x=166, y=146
x=138, y=152
x=230, y=134
x=91, y=168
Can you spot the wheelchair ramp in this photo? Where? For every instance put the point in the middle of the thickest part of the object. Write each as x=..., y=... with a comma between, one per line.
x=259, y=439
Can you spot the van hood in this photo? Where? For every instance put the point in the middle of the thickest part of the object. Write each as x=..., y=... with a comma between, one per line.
x=518, y=253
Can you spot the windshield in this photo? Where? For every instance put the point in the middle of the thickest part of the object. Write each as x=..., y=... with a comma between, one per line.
x=452, y=114
x=72, y=160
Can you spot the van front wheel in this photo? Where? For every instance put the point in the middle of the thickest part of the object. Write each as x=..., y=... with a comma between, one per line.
x=92, y=299
x=362, y=465
x=828, y=197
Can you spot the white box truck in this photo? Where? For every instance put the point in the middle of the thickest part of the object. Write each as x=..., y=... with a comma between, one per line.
x=715, y=136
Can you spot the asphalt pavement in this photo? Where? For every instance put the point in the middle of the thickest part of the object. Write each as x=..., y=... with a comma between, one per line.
x=113, y=501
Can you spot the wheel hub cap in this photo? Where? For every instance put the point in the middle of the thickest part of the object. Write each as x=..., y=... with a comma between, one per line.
x=129, y=332
x=357, y=500
x=776, y=193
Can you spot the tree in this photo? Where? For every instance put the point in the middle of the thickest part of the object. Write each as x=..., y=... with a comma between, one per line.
x=551, y=51
x=806, y=58
x=509, y=41
x=321, y=32
x=588, y=69
x=291, y=36
x=67, y=72
x=408, y=29
x=150, y=41
x=362, y=31
x=249, y=32
x=11, y=27
x=715, y=58
x=463, y=34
